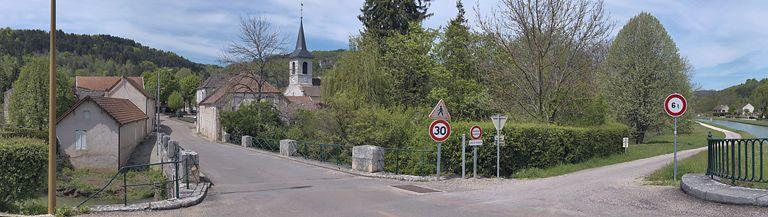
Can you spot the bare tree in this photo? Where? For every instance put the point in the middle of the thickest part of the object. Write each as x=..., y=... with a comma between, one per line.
x=258, y=43
x=543, y=50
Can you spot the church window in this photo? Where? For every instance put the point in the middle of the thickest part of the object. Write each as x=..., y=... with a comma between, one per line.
x=304, y=68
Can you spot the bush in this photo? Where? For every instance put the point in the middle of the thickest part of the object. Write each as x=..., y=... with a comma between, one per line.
x=23, y=132
x=257, y=119
x=534, y=146
x=22, y=169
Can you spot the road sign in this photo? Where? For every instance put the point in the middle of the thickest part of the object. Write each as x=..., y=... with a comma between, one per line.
x=625, y=142
x=675, y=105
x=498, y=122
x=475, y=132
x=440, y=112
x=439, y=130
x=476, y=142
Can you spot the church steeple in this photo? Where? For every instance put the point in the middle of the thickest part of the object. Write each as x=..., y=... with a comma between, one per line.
x=301, y=44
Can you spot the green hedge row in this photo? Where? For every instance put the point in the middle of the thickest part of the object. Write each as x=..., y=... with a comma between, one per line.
x=23, y=132
x=22, y=169
x=533, y=146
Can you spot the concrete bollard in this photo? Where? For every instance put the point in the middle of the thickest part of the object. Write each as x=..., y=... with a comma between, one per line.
x=173, y=147
x=224, y=137
x=288, y=147
x=191, y=160
x=368, y=158
x=165, y=140
x=246, y=141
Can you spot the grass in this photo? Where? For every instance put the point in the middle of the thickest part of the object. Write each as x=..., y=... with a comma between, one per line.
x=696, y=164
x=88, y=182
x=655, y=145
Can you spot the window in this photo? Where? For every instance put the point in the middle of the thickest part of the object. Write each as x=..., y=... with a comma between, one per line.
x=87, y=114
x=293, y=67
x=304, y=68
x=80, y=140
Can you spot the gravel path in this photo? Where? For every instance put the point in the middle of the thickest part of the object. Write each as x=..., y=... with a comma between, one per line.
x=248, y=183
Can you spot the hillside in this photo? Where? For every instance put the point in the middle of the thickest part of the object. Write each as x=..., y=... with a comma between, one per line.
x=735, y=96
x=18, y=43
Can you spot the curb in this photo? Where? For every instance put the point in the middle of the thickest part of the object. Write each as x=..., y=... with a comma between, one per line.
x=156, y=205
x=702, y=187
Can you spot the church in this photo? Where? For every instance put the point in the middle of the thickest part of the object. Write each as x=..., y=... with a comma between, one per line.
x=226, y=92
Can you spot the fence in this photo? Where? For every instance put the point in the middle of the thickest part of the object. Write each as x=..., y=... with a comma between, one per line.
x=737, y=159
x=409, y=161
x=331, y=153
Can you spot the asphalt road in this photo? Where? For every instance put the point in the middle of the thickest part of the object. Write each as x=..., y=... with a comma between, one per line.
x=250, y=183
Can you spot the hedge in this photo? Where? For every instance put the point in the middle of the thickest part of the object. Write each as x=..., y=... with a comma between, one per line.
x=22, y=169
x=533, y=145
x=23, y=132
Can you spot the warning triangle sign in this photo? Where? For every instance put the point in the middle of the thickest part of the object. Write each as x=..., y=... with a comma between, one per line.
x=440, y=111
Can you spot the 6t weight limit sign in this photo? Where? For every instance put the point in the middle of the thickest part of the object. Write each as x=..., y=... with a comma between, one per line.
x=439, y=130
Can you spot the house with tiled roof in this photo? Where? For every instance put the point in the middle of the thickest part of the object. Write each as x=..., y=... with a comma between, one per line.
x=234, y=92
x=101, y=132
x=130, y=88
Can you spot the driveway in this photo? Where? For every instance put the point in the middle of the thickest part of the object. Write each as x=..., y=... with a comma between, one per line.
x=250, y=183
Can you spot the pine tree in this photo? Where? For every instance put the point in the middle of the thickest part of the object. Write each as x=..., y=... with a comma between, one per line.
x=383, y=17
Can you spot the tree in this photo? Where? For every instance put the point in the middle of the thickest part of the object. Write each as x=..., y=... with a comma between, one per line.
x=358, y=76
x=459, y=83
x=645, y=66
x=257, y=119
x=381, y=18
x=543, y=48
x=258, y=44
x=175, y=101
x=168, y=83
x=187, y=87
x=9, y=69
x=29, y=105
x=408, y=62
x=760, y=98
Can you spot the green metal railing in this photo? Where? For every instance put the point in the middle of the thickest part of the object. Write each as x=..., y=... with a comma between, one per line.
x=409, y=161
x=737, y=159
x=324, y=152
x=125, y=186
x=272, y=145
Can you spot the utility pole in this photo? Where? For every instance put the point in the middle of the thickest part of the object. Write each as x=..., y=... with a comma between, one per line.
x=157, y=106
x=52, y=114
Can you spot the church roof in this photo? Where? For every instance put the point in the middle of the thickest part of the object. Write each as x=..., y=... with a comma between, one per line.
x=301, y=45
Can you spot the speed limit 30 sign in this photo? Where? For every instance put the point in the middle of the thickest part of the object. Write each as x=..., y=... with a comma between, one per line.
x=675, y=105
x=439, y=130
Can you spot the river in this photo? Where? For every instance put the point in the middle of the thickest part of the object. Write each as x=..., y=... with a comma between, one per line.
x=757, y=131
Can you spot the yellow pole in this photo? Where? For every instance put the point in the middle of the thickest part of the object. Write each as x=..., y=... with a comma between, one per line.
x=52, y=115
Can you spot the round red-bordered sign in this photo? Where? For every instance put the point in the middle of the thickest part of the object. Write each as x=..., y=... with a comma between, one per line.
x=675, y=105
x=439, y=130
x=475, y=132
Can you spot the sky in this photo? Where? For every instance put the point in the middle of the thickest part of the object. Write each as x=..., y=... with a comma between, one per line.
x=724, y=41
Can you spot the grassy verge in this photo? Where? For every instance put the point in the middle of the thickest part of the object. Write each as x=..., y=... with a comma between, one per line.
x=74, y=186
x=654, y=146
x=695, y=164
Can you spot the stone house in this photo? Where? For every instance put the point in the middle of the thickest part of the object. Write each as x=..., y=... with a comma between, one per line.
x=748, y=109
x=130, y=88
x=101, y=132
x=720, y=110
x=236, y=91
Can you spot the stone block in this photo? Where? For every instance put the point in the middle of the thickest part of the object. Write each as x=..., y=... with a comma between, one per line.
x=246, y=141
x=288, y=147
x=173, y=147
x=224, y=137
x=189, y=164
x=368, y=158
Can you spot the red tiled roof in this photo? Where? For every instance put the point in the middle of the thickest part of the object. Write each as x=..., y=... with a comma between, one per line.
x=239, y=84
x=106, y=83
x=121, y=110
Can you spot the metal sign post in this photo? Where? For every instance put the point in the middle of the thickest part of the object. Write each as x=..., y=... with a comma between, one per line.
x=463, y=154
x=474, y=161
x=675, y=106
x=498, y=123
x=438, y=159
